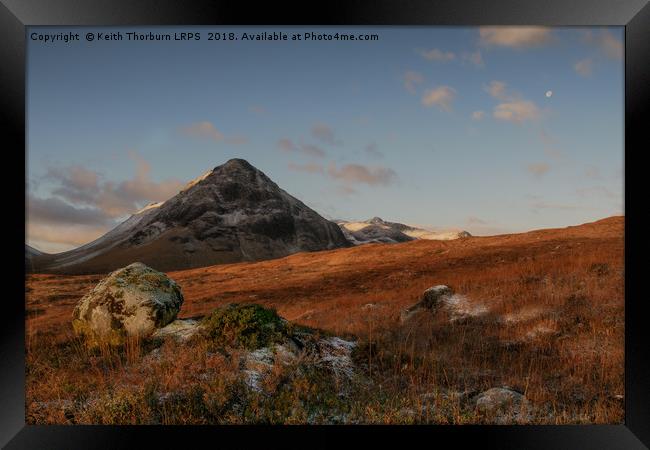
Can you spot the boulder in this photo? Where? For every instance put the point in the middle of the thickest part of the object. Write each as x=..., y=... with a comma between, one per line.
x=180, y=330
x=132, y=301
x=432, y=299
x=502, y=404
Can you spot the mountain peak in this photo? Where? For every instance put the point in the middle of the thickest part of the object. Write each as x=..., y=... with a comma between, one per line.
x=376, y=220
x=237, y=163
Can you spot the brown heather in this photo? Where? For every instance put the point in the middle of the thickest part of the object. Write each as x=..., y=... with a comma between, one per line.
x=552, y=328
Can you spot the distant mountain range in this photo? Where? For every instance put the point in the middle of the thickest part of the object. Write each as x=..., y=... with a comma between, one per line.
x=381, y=231
x=230, y=214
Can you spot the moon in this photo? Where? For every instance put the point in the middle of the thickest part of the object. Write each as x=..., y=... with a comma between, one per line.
x=549, y=94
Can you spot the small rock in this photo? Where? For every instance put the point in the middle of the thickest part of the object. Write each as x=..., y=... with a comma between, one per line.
x=432, y=299
x=503, y=404
x=181, y=330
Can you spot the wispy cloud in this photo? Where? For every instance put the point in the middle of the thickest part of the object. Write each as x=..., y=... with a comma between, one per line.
x=515, y=37
x=608, y=44
x=478, y=115
x=288, y=146
x=517, y=111
x=83, y=187
x=473, y=220
x=325, y=133
x=513, y=107
x=82, y=200
x=584, y=67
x=435, y=54
x=257, y=109
x=411, y=80
x=308, y=168
x=538, y=170
x=371, y=149
x=497, y=89
x=441, y=96
x=475, y=58
x=312, y=150
x=203, y=130
x=358, y=173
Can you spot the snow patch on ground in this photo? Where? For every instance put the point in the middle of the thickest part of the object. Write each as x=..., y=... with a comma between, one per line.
x=522, y=315
x=460, y=307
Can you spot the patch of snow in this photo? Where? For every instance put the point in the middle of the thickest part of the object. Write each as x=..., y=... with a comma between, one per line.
x=196, y=180
x=460, y=307
x=523, y=315
x=151, y=205
x=335, y=353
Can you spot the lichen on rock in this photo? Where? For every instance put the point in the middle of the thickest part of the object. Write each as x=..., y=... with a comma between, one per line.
x=132, y=301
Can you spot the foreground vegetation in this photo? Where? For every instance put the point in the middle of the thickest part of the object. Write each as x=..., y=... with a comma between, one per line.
x=544, y=316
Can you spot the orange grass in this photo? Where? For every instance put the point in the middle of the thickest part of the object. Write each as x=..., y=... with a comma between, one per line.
x=552, y=327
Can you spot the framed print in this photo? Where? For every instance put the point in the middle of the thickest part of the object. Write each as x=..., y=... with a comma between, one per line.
x=359, y=219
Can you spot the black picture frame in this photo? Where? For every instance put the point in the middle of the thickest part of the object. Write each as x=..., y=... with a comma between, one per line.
x=634, y=15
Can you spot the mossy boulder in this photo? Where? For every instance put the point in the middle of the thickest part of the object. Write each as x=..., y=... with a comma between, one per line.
x=245, y=325
x=132, y=301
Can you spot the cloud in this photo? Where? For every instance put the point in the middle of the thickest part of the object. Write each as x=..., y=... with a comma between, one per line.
x=324, y=133
x=435, y=54
x=203, y=130
x=515, y=37
x=357, y=173
x=55, y=238
x=497, y=89
x=411, y=80
x=442, y=97
x=312, y=150
x=513, y=108
x=475, y=58
x=257, y=109
x=478, y=115
x=593, y=172
x=288, y=146
x=517, y=111
x=538, y=169
x=82, y=187
x=606, y=42
x=77, y=183
x=52, y=210
x=583, y=67
x=473, y=220
x=346, y=190
x=371, y=149
x=308, y=168
x=82, y=205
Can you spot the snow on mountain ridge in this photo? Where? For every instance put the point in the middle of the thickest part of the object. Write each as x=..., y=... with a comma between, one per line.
x=379, y=230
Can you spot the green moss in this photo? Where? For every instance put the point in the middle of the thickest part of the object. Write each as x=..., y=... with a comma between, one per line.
x=249, y=326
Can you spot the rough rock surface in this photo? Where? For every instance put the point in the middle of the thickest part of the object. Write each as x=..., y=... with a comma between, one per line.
x=331, y=353
x=502, y=404
x=134, y=300
x=231, y=214
x=432, y=299
x=180, y=330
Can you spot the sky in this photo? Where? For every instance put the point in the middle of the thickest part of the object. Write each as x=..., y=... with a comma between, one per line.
x=487, y=129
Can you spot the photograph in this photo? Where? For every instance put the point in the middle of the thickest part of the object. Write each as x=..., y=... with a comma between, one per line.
x=325, y=225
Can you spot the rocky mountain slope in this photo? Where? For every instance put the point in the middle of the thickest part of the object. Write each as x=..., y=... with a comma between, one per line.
x=379, y=230
x=231, y=214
